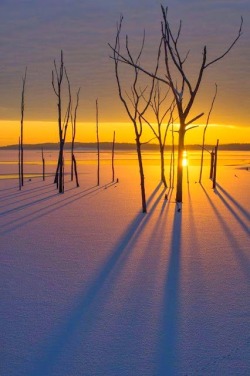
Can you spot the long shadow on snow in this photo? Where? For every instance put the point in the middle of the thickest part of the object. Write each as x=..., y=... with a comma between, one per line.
x=169, y=310
x=62, y=335
x=24, y=192
x=236, y=203
x=31, y=216
x=32, y=196
x=230, y=207
x=239, y=253
x=168, y=348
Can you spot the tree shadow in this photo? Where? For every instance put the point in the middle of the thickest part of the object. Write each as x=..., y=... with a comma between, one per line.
x=167, y=199
x=9, y=189
x=34, y=215
x=231, y=208
x=168, y=345
x=19, y=200
x=236, y=247
x=24, y=192
x=83, y=313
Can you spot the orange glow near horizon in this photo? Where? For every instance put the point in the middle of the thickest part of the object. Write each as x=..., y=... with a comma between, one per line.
x=46, y=132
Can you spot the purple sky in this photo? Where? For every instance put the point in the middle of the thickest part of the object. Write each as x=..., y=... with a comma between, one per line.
x=32, y=32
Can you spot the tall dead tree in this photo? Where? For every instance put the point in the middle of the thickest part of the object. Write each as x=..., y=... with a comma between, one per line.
x=21, y=127
x=73, y=124
x=57, y=81
x=113, y=157
x=172, y=160
x=161, y=129
x=176, y=77
x=204, y=133
x=43, y=164
x=97, y=143
x=215, y=164
x=212, y=164
x=134, y=103
x=19, y=165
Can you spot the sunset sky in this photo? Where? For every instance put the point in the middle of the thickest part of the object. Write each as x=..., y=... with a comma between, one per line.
x=32, y=33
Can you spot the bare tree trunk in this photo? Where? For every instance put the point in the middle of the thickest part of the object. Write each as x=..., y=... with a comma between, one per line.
x=61, y=170
x=172, y=160
x=113, y=154
x=43, y=162
x=163, y=178
x=142, y=179
x=73, y=123
x=19, y=165
x=75, y=171
x=170, y=169
x=22, y=118
x=62, y=176
x=180, y=167
x=215, y=164
x=56, y=174
x=212, y=165
x=204, y=133
x=57, y=79
x=72, y=162
x=173, y=153
x=98, y=145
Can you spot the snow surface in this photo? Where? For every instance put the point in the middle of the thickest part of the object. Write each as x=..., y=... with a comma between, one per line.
x=91, y=286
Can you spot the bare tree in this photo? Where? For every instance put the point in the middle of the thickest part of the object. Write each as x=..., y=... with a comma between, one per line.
x=57, y=81
x=175, y=77
x=97, y=143
x=134, y=102
x=113, y=155
x=204, y=133
x=161, y=129
x=215, y=164
x=21, y=127
x=43, y=163
x=19, y=165
x=73, y=124
x=172, y=160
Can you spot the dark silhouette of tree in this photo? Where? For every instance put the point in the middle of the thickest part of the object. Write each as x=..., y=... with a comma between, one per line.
x=19, y=165
x=73, y=124
x=21, y=129
x=172, y=159
x=43, y=163
x=204, y=133
x=176, y=78
x=113, y=156
x=97, y=143
x=215, y=164
x=57, y=82
x=134, y=103
x=161, y=129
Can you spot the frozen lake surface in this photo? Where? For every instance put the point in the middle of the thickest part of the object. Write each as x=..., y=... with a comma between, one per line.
x=91, y=286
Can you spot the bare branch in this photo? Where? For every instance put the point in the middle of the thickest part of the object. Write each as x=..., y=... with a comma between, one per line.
x=195, y=118
x=194, y=126
x=212, y=105
x=147, y=142
x=204, y=133
x=120, y=58
x=69, y=108
x=229, y=48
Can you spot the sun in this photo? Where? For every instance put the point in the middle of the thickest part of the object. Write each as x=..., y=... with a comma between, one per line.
x=184, y=158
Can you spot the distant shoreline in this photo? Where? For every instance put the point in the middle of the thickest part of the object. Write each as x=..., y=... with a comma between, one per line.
x=91, y=146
